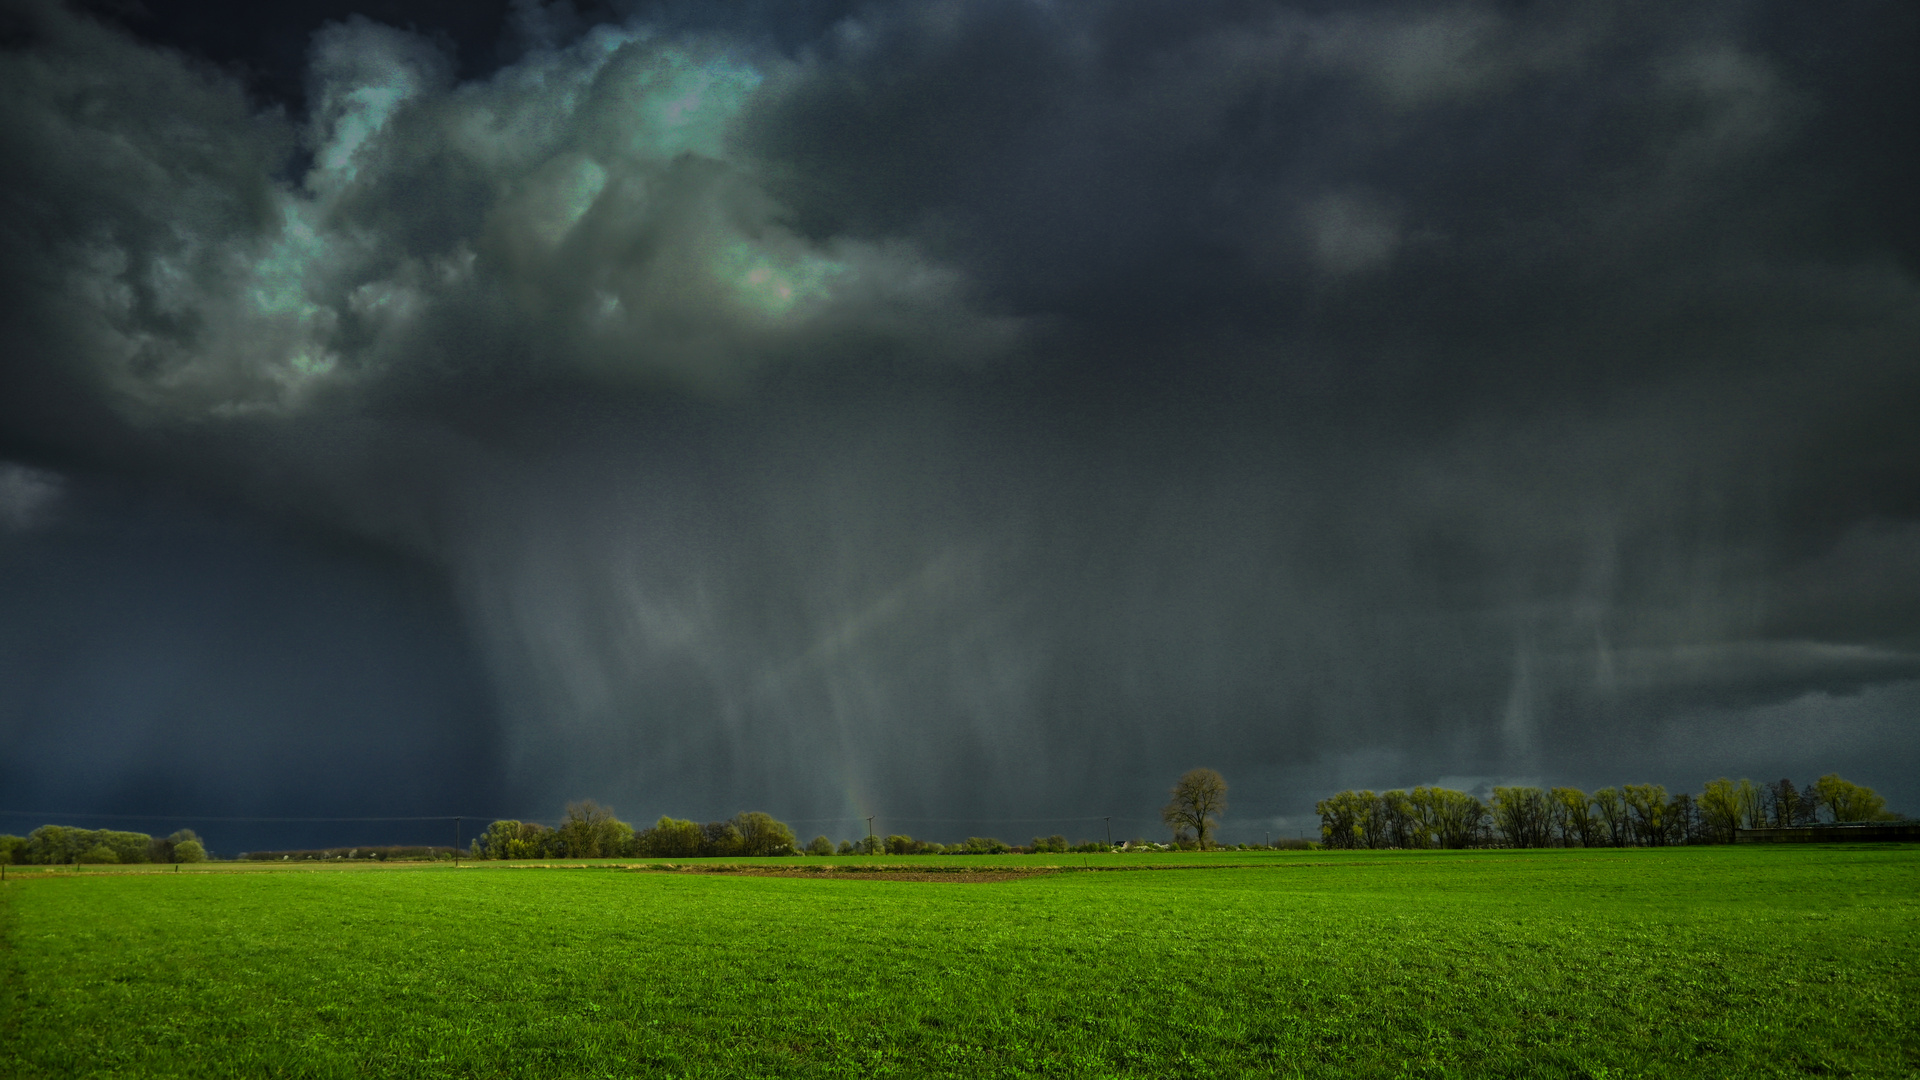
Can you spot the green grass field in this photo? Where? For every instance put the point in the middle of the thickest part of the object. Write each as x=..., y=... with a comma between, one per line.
x=1713, y=962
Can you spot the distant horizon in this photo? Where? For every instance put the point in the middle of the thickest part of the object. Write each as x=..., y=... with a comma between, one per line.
x=1234, y=829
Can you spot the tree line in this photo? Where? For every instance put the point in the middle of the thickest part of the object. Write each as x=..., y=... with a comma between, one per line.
x=1629, y=815
x=64, y=844
x=592, y=831
x=362, y=853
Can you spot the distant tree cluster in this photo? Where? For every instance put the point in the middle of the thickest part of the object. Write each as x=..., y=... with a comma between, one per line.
x=395, y=852
x=591, y=831
x=64, y=844
x=972, y=845
x=1630, y=815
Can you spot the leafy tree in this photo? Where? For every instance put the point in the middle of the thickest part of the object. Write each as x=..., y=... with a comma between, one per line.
x=984, y=845
x=1198, y=800
x=55, y=844
x=1523, y=815
x=1401, y=825
x=160, y=849
x=98, y=853
x=128, y=847
x=1419, y=819
x=1458, y=817
x=1646, y=809
x=189, y=851
x=13, y=849
x=820, y=845
x=761, y=835
x=671, y=838
x=496, y=841
x=1342, y=819
x=720, y=839
x=590, y=831
x=1848, y=801
x=1048, y=844
x=1573, y=814
x=1753, y=814
x=52, y=844
x=1720, y=812
x=1373, y=823
x=846, y=847
x=1426, y=806
x=1613, y=814
x=1683, y=820
x=509, y=839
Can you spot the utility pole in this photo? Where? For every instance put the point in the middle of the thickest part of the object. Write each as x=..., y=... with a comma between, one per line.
x=870, y=850
x=456, y=842
x=1109, y=821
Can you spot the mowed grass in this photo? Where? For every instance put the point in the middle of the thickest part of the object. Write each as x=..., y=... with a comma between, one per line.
x=1762, y=961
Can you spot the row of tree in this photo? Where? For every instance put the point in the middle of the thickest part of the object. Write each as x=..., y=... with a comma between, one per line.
x=972, y=845
x=591, y=831
x=390, y=852
x=1632, y=814
x=64, y=844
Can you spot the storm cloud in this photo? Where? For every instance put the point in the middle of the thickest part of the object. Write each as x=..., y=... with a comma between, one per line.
x=962, y=413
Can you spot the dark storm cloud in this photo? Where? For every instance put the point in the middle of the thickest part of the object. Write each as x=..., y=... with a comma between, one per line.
x=966, y=410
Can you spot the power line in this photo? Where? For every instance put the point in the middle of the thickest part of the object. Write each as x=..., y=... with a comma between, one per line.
x=51, y=814
x=960, y=820
x=210, y=817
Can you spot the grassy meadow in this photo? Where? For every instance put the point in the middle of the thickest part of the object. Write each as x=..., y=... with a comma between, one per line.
x=1784, y=960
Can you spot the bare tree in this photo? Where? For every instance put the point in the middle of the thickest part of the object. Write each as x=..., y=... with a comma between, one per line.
x=1198, y=801
x=1783, y=804
x=592, y=832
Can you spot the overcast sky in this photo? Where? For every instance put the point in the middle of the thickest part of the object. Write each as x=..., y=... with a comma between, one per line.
x=957, y=413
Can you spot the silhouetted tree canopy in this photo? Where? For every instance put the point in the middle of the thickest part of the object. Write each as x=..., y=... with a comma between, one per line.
x=1198, y=801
